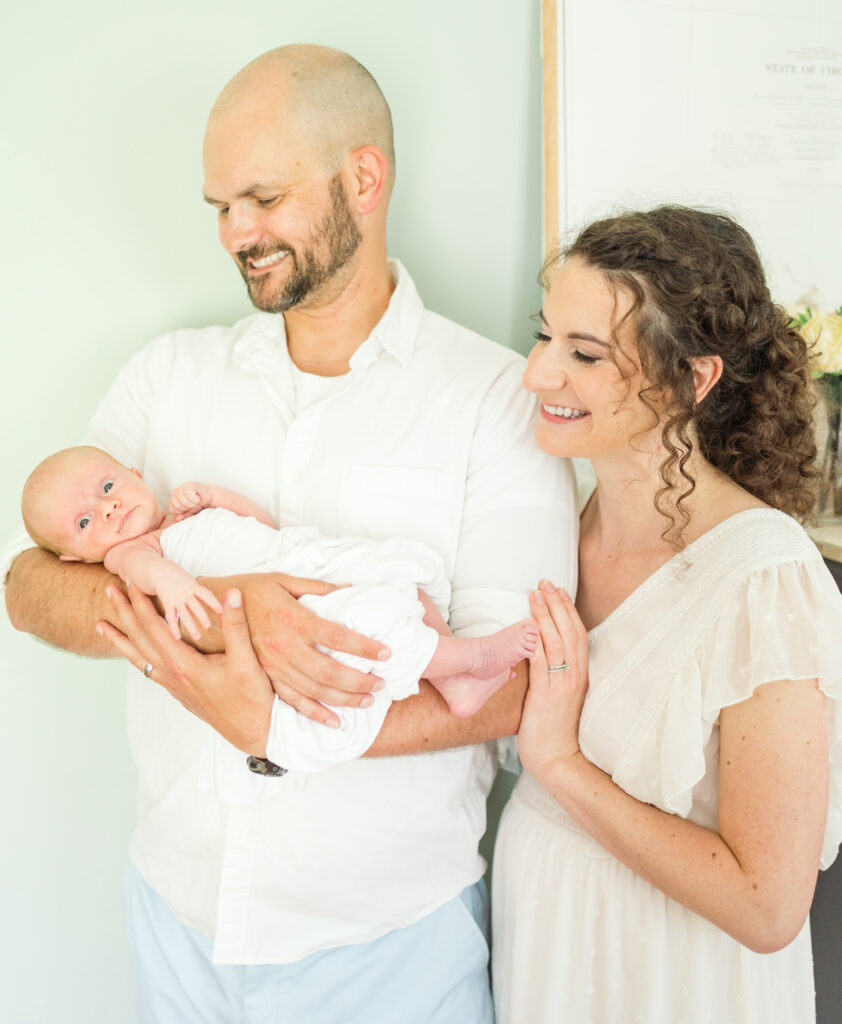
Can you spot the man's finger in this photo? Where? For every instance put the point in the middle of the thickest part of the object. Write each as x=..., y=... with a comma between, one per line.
x=307, y=707
x=121, y=643
x=127, y=621
x=298, y=586
x=235, y=631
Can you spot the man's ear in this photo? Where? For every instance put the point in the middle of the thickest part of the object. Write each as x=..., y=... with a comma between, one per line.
x=706, y=372
x=369, y=170
x=70, y=558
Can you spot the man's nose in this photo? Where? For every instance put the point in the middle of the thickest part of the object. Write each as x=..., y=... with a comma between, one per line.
x=239, y=230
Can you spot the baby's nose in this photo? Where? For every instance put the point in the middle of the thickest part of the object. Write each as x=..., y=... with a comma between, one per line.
x=109, y=507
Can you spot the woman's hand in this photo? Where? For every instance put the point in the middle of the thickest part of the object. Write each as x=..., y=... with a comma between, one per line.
x=549, y=726
x=229, y=691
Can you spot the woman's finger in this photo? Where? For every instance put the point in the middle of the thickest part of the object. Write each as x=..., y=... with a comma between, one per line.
x=550, y=637
x=560, y=613
x=538, y=675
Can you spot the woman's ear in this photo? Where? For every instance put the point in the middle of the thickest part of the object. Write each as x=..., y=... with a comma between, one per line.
x=706, y=372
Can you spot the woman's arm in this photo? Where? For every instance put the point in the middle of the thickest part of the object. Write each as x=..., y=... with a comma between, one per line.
x=755, y=876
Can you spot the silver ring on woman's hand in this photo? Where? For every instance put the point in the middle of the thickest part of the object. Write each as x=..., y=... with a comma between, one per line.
x=147, y=670
x=559, y=668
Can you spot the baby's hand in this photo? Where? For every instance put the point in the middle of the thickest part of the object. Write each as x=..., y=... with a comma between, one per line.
x=182, y=598
x=188, y=498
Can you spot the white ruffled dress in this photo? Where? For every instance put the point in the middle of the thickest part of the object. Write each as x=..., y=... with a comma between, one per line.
x=577, y=936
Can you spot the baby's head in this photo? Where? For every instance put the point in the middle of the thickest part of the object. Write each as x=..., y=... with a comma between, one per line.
x=80, y=503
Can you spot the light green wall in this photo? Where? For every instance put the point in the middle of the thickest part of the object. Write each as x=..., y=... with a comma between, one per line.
x=107, y=244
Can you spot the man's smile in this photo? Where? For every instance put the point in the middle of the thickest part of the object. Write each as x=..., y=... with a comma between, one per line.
x=268, y=261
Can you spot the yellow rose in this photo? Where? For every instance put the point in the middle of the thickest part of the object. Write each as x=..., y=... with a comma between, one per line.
x=823, y=332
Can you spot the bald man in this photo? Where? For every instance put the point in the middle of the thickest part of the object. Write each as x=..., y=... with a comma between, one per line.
x=355, y=894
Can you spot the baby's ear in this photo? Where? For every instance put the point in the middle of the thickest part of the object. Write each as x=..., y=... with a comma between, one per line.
x=137, y=473
x=70, y=558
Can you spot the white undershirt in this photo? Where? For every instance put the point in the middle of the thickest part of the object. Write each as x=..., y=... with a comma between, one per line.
x=311, y=388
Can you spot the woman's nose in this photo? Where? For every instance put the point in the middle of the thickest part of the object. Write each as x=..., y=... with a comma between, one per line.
x=543, y=373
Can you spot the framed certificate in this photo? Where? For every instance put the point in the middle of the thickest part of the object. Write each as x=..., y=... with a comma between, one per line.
x=731, y=104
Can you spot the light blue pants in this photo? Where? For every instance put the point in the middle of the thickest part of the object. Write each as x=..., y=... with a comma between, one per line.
x=432, y=972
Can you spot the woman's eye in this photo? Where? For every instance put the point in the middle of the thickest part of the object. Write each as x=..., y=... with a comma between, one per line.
x=83, y=522
x=583, y=357
x=540, y=336
x=106, y=487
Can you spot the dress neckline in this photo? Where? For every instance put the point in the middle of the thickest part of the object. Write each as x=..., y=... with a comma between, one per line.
x=700, y=543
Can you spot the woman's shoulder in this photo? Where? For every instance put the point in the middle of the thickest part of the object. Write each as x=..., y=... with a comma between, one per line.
x=757, y=534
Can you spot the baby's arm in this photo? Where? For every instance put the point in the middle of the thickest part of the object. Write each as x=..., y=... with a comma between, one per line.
x=189, y=498
x=142, y=562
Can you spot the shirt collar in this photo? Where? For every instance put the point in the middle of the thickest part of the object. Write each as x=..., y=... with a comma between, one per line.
x=260, y=340
x=397, y=329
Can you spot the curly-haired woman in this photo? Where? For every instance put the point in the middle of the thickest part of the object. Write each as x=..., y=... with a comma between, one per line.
x=681, y=735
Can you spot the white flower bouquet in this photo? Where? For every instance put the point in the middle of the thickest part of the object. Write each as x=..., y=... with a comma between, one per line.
x=823, y=333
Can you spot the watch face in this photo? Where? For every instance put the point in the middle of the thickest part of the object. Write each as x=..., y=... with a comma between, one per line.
x=263, y=766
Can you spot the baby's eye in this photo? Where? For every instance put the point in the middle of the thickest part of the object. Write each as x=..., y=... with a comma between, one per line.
x=106, y=487
x=83, y=522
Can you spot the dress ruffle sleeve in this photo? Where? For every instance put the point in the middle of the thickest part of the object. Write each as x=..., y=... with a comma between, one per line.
x=782, y=622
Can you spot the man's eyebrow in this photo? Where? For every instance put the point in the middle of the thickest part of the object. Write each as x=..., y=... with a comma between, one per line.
x=252, y=190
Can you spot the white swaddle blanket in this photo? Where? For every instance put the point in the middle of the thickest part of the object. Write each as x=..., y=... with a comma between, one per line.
x=382, y=603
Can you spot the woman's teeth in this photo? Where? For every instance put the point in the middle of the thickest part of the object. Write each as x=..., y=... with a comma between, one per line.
x=564, y=411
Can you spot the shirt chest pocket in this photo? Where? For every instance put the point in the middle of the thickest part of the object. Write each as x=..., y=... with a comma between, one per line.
x=382, y=502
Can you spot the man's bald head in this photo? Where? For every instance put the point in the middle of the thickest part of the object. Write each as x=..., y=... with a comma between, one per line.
x=322, y=93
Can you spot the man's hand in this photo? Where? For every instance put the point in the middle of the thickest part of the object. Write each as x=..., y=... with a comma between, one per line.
x=285, y=636
x=229, y=691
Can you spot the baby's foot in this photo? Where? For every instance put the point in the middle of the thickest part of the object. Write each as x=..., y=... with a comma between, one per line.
x=501, y=650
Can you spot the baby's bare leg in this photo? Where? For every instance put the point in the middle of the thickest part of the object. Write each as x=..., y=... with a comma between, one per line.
x=432, y=616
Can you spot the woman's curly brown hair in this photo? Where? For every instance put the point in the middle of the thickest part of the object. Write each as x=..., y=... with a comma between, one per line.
x=698, y=289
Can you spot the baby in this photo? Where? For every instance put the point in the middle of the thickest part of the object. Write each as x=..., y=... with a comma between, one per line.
x=85, y=506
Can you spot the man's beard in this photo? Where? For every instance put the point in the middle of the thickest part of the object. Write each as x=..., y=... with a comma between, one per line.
x=332, y=243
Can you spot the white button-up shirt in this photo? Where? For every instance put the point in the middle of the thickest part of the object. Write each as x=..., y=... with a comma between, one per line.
x=430, y=439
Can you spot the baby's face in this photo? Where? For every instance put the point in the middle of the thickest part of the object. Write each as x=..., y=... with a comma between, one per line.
x=92, y=503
